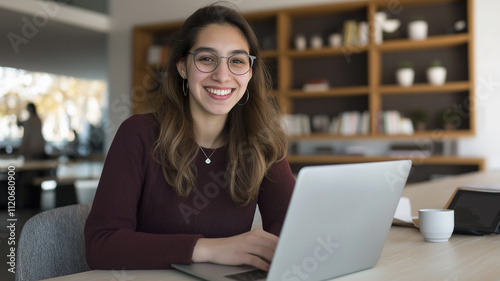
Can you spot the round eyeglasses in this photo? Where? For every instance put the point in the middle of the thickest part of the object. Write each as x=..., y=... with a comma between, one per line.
x=239, y=63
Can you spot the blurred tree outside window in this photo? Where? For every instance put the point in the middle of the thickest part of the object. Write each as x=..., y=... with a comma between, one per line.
x=71, y=109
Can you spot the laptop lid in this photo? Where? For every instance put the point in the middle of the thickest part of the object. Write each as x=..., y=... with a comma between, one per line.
x=337, y=222
x=338, y=219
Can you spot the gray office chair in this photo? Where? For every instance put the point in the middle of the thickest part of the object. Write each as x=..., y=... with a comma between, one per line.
x=52, y=244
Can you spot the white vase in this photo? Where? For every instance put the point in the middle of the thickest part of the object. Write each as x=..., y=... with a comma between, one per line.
x=380, y=18
x=436, y=75
x=300, y=42
x=405, y=76
x=316, y=42
x=417, y=30
x=335, y=40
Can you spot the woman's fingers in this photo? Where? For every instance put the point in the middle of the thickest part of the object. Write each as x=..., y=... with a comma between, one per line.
x=255, y=248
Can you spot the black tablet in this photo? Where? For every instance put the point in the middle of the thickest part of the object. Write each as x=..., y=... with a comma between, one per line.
x=476, y=211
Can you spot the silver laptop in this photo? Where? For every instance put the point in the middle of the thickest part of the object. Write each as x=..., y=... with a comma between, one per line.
x=337, y=223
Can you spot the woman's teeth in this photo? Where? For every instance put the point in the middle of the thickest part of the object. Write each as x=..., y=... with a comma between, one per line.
x=219, y=92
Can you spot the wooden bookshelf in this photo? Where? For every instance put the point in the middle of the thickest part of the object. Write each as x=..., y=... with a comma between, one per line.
x=433, y=42
x=361, y=77
x=425, y=88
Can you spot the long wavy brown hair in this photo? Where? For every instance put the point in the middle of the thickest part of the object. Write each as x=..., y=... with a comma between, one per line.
x=252, y=133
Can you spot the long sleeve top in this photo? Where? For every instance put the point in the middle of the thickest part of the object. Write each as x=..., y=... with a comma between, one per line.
x=138, y=221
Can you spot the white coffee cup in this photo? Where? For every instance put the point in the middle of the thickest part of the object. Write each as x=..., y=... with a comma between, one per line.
x=436, y=225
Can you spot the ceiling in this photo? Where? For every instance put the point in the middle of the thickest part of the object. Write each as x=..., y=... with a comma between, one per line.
x=37, y=44
x=100, y=6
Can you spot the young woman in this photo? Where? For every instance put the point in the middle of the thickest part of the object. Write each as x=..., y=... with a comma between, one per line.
x=182, y=185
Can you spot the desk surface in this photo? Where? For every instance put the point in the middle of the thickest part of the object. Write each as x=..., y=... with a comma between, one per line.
x=435, y=194
x=406, y=256
x=29, y=165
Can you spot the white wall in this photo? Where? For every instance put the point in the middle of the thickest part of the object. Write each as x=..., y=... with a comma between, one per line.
x=487, y=66
x=128, y=13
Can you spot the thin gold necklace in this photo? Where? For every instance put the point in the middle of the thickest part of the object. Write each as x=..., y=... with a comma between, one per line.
x=208, y=161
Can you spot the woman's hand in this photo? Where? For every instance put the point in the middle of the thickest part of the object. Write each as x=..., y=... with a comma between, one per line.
x=255, y=248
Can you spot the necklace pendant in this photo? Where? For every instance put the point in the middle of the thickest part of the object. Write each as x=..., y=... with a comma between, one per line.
x=208, y=161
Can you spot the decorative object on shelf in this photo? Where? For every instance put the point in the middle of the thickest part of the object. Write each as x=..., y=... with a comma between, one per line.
x=335, y=40
x=316, y=85
x=390, y=28
x=300, y=42
x=380, y=18
x=320, y=123
x=419, y=118
x=436, y=73
x=394, y=123
x=460, y=26
x=417, y=29
x=316, y=42
x=405, y=74
x=449, y=119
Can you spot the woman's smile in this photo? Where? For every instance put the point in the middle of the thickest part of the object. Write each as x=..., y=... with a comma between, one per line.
x=219, y=93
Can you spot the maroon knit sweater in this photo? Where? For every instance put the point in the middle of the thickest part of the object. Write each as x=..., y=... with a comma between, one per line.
x=138, y=221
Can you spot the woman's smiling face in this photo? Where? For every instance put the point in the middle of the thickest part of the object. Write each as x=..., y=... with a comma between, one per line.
x=215, y=93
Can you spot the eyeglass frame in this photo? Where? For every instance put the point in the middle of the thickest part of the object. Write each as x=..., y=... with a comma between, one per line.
x=252, y=59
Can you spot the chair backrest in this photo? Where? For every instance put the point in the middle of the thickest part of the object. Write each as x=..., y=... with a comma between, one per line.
x=52, y=244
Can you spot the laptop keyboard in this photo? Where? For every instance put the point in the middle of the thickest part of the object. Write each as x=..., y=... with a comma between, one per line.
x=256, y=274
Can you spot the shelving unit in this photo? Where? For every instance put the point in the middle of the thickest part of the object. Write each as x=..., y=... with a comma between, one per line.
x=361, y=78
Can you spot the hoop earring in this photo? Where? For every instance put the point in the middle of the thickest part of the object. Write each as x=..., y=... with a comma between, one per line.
x=186, y=88
x=248, y=97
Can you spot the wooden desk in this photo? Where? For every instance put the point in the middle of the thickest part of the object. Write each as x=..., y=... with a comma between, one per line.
x=406, y=256
x=27, y=195
x=29, y=165
x=435, y=194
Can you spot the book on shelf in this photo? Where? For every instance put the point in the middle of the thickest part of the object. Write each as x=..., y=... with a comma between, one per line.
x=363, y=34
x=392, y=122
x=316, y=85
x=350, y=123
x=296, y=124
x=346, y=123
x=355, y=33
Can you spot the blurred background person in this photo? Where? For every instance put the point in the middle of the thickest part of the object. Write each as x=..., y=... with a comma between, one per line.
x=33, y=144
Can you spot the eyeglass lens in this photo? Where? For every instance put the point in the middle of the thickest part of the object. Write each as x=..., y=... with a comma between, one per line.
x=207, y=62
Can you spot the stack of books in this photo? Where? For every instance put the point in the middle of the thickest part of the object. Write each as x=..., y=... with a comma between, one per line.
x=346, y=124
x=350, y=123
x=392, y=122
x=296, y=124
x=355, y=33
